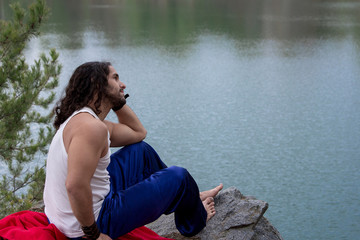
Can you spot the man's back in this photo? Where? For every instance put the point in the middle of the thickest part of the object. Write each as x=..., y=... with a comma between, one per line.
x=57, y=205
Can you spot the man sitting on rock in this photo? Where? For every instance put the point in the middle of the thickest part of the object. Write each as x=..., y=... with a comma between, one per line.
x=88, y=195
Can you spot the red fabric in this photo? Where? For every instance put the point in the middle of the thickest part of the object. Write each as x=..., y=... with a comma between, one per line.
x=34, y=226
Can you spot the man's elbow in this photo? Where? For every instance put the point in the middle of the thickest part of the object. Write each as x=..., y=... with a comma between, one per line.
x=143, y=134
x=72, y=187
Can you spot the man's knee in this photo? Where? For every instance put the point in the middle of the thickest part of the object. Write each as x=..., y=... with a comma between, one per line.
x=139, y=146
x=178, y=173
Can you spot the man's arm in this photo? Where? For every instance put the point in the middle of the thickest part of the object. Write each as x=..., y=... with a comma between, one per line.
x=84, y=151
x=129, y=129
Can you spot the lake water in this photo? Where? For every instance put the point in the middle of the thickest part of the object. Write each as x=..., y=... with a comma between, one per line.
x=260, y=95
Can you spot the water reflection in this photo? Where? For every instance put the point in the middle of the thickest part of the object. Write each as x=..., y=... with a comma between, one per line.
x=132, y=22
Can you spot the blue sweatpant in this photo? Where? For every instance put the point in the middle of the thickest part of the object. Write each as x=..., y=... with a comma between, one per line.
x=142, y=188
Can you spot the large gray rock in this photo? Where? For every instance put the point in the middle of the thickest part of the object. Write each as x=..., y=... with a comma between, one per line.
x=237, y=217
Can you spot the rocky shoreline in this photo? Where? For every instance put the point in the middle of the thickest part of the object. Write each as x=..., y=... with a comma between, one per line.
x=237, y=217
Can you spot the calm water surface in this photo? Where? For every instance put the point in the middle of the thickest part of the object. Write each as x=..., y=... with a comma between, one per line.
x=261, y=95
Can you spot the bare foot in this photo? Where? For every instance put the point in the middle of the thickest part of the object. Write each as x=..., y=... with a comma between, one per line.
x=211, y=193
x=209, y=207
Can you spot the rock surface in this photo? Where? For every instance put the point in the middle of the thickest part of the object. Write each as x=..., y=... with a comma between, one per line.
x=237, y=217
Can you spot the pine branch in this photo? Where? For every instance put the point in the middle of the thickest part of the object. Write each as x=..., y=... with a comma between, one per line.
x=23, y=89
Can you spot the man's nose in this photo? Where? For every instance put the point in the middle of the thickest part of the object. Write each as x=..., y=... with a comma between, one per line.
x=122, y=85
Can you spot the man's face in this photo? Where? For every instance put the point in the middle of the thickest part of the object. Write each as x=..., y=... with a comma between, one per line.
x=115, y=89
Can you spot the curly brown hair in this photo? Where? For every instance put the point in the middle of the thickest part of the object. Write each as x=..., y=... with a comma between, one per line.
x=87, y=80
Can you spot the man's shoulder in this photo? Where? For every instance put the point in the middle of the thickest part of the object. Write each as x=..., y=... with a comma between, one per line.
x=86, y=124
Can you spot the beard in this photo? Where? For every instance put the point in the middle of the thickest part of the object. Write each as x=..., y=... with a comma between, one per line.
x=116, y=99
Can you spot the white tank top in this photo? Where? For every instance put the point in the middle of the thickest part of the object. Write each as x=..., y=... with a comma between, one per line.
x=57, y=205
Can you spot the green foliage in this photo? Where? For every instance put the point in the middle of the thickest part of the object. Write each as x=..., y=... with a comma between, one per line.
x=25, y=94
